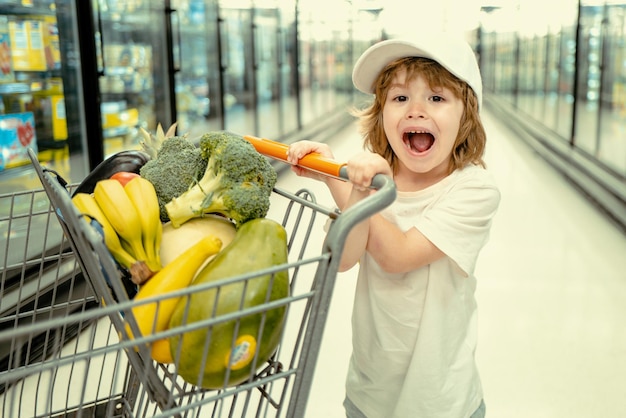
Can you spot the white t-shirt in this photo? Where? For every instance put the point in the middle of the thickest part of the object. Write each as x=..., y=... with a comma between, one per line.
x=414, y=334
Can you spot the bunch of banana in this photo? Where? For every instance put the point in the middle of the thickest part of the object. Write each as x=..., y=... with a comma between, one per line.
x=129, y=216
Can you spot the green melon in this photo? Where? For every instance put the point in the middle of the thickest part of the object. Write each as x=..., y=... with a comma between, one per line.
x=258, y=244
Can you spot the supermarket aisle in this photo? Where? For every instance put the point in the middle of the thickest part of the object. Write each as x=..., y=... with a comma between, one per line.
x=551, y=287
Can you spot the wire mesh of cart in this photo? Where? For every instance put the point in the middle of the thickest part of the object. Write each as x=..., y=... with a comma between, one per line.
x=70, y=354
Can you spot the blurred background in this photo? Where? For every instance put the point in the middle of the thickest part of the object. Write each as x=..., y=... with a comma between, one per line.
x=79, y=88
x=79, y=78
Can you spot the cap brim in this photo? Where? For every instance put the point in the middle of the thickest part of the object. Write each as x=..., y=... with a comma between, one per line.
x=374, y=59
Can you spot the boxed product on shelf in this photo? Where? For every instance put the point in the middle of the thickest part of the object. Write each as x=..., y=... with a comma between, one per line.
x=59, y=123
x=122, y=120
x=49, y=110
x=27, y=45
x=128, y=68
x=17, y=134
x=6, y=69
x=51, y=43
x=48, y=105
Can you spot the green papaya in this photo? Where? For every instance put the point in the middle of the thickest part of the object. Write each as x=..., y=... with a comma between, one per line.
x=258, y=244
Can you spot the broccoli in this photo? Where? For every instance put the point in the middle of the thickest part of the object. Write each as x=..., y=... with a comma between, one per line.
x=175, y=166
x=237, y=183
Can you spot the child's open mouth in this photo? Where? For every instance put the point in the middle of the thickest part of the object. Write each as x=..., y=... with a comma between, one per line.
x=418, y=141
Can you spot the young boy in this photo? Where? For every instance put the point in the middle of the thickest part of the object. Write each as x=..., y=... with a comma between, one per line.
x=414, y=317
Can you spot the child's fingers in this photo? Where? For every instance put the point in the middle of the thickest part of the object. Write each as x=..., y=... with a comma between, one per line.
x=299, y=149
x=364, y=166
x=296, y=151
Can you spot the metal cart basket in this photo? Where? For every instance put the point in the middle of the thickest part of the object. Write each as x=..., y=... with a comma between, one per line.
x=70, y=355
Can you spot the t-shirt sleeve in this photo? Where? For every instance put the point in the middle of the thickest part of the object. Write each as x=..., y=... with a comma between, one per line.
x=459, y=222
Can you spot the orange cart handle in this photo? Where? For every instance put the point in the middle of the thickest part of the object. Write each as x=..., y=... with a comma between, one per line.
x=313, y=161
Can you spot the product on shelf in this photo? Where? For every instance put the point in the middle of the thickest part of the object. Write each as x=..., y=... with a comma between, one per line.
x=17, y=134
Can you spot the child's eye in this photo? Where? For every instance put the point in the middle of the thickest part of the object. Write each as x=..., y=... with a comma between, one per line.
x=400, y=98
x=436, y=98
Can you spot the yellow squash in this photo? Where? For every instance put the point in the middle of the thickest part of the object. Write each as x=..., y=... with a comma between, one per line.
x=176, y=240
x=155, y=317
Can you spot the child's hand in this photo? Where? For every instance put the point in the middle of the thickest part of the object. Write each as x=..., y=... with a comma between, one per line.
x=364, y=166
x=299, y=149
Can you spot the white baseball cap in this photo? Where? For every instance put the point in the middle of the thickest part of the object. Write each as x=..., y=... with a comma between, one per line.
x=453, y=53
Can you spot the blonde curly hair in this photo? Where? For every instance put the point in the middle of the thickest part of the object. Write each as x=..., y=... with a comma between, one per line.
x=469, y=146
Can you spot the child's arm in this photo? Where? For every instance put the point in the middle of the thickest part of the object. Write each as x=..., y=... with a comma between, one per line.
x=396, y=251
x=344, y=193
x=393, y=250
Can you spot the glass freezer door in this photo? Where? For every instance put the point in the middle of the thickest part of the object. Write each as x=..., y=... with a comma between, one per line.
x=41, y=108
x=37, y=92
x=196, y=66
x=134, y=66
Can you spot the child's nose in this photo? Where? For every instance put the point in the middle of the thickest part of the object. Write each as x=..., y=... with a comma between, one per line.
x=416, y=110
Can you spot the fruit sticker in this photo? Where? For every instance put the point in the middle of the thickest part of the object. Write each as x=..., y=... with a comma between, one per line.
x=17, y=134
x=242, y=354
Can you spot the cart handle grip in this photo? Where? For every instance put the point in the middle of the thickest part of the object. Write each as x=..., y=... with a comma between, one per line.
x=313, y=161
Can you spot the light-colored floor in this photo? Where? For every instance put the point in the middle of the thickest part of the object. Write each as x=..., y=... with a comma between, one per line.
x=551, y=292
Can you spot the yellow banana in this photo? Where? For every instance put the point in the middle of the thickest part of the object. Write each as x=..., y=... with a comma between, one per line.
x=143, y=196
x=121, y=213
x=139, y=271
x=178, y=274
x=86, y=204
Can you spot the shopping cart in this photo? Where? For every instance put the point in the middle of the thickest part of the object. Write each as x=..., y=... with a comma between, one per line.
x=87, y=366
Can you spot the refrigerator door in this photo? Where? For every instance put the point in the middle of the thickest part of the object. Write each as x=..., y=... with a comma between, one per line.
x=41, y=108
x=37, y=75
x=239, y=77
x=134, y=65
x=266, y=58
x=196, y=57
x=234, y=66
